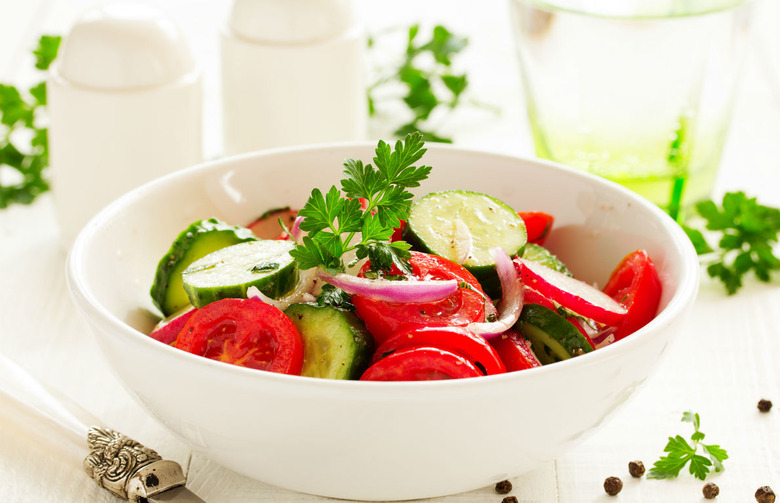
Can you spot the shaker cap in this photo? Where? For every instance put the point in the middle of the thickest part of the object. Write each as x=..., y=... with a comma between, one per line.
x=290, y=21
x=122, y=46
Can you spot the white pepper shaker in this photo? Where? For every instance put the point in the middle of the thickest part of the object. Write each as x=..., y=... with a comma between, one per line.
x=292, y=73
x=125, y=107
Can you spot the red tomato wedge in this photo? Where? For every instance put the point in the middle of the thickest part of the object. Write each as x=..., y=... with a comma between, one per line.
x=466, y=305
x=420, y=364
x=571, y=293
x=537, y=225
x=515, y=351
x=244, y=332
x=458, y=340
x=635, y=284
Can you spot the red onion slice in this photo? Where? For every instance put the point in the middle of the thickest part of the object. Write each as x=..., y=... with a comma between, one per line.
x=295, y=231
x=511, y=303
x=412, y=291
x=571, y=293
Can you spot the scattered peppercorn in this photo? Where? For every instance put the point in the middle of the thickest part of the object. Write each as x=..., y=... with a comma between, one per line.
x=765, y=494
x=503, y=487
x=509, y=499
x=636, y=469
x=710, y=490
x=613, y=485
x=764, y=405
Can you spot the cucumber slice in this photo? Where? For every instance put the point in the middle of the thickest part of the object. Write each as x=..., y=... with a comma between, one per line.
x=552, y=337
x=196, y=241
x=436, y=225
x=542, y=255
x=229, y=272
x=336, y=343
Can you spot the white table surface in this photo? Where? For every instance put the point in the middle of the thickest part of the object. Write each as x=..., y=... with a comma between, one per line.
x=726, y=359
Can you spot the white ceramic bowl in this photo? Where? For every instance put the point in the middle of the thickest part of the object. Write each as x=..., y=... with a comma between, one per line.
x=374, y=440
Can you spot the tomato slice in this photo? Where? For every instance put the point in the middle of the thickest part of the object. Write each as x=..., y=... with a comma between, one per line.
x=537, y=225
x=466, y=305
x=458, y=340
x=420, y=364
x=244, y=332
x=515, y=351
x=635, y=284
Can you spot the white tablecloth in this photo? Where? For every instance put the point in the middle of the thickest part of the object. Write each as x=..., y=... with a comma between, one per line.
x=723, y=363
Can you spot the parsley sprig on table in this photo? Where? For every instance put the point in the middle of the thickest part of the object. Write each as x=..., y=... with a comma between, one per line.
x=680, y=453
x=24, y=145
x=427, y=77
x=747, y=231
x=336, y=219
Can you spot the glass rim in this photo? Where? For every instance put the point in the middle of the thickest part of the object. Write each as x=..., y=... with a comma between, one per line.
x=642, y=9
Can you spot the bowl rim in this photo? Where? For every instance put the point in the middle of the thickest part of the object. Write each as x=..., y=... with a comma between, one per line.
x=686, y=292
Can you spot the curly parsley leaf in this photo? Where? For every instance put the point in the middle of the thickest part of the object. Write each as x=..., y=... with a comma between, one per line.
x=745, y=232
x=680, y=453
x=364, y=213
x=425, y=74
x=22, y=165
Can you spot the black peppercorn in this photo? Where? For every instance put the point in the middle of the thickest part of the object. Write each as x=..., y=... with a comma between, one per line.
x=636, y=469
x=503, y=487
x=764, y=405
x=765, y=494
x=613, y=485
x=710, y=490
x=509, y=499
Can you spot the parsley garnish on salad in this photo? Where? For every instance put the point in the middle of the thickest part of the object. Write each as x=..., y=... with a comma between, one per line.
x=746, y=232
x=680, y=453
x=369, y=206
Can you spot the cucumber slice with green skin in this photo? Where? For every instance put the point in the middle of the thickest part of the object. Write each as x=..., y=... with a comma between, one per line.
x=552, y=337
x=446, y=223
x=336, y=343
x=229, y=272
x=542, y=255
x=196, y=241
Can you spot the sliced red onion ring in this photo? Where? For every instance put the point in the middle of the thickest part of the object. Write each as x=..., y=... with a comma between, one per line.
x=571, y=293
x=393, y=291
x=511, y=303
x=295, y=231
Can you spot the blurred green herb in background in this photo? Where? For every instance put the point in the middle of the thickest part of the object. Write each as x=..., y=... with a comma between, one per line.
x=745, y=231
x=425, y=78
x=24, y=145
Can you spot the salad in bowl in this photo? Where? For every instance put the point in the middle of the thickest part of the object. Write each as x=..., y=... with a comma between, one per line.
x=343, y=354
x=366, y=282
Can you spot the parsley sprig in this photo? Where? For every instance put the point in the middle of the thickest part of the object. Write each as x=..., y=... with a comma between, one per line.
x=24, y=145
x=426, y=75
x=680, y=453
x=338, y=223
x=745, y=231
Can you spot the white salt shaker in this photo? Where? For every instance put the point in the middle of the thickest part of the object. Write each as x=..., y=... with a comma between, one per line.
x=125, y=107
x=292, y=73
